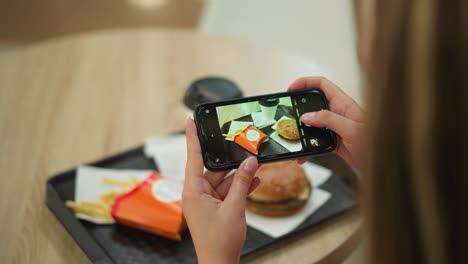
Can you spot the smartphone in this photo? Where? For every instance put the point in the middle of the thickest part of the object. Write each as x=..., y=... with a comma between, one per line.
x=265, y=126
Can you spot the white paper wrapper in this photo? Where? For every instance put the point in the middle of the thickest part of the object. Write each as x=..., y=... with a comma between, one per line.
x=278, y=226
x=259, y=120
x=292, y=147
x=90, y=187
x=170, y=155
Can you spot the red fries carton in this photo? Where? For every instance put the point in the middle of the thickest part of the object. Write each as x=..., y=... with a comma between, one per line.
x=154, y=206
x=250, y=138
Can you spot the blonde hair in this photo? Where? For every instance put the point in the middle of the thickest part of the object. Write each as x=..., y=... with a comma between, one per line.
x=416, y=163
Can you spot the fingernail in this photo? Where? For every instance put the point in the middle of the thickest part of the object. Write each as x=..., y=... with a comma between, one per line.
x=251, y=165
x=188, y=114
x=308, y=117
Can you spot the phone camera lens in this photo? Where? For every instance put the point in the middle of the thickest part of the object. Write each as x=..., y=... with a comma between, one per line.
x=207, y=111
x=303, y=100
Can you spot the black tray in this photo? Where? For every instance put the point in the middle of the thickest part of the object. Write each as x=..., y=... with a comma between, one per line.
x=120, y=244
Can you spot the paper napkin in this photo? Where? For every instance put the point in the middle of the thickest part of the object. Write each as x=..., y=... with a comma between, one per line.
x=169, y=153
x=259, y=120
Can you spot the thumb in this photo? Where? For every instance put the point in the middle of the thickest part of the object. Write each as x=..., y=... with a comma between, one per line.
x=241, y=182
x=333, y=121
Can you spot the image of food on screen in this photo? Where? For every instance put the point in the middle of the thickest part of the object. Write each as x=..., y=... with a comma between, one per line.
x=263, y=128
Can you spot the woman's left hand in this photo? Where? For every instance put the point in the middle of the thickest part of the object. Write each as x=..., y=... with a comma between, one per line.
x=214, y=206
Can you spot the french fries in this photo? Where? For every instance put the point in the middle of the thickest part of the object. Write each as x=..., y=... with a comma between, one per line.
x=102, y=208
x=233, y=134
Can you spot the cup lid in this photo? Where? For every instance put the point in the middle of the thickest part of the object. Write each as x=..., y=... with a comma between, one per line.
x=210, y=89
x=270, y=102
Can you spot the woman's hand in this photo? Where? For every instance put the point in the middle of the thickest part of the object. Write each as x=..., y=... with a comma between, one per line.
x=214, y=207
x=345, y=117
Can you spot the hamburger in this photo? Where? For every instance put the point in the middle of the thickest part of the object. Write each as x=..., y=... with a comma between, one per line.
x=287, y=129
x=283, y=190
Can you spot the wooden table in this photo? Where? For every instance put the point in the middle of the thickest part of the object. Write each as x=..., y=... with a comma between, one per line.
x=73, y=100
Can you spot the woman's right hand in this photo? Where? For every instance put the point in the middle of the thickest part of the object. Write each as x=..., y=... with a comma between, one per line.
x=345, y=118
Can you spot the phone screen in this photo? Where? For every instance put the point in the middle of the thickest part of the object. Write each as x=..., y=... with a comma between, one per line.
x=267, y=127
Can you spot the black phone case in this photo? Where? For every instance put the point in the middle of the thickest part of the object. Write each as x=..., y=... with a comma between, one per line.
x=290, y=156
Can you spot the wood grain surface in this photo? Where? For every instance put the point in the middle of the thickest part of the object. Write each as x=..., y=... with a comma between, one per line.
x=72, y=100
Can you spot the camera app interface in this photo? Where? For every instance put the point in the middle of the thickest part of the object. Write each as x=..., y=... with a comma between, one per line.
x=267, y=128
x=261, y=128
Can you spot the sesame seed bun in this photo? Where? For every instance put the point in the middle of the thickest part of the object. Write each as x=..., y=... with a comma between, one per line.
x=287, y=129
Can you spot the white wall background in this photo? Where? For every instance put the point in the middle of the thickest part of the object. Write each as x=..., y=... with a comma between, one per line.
x=322, y=31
